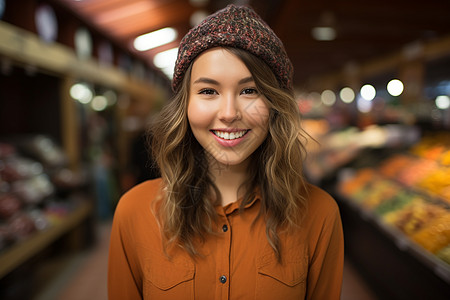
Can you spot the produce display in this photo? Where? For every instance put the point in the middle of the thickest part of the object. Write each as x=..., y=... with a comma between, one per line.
x=330, y=149
x=409, y=192
x=33, y=178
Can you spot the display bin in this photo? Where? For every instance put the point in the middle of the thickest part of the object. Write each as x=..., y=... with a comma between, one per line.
x=391, y=262
x=394, y=266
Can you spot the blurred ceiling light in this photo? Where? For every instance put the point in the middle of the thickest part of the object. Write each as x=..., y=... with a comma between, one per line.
x=395, y=87
x=111, y=96
x=323, y=33
x=166, y=61
x=442, y=102
x=99, y=103
x=155, y=39
x=368, y=92
x=328, y=97
x=325, y=27
x=347, y=95
x=81, y=92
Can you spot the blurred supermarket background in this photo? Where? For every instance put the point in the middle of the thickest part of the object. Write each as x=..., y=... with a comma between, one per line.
x=79, y=83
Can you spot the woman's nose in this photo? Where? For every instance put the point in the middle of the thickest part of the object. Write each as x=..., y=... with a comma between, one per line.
x=229, y=110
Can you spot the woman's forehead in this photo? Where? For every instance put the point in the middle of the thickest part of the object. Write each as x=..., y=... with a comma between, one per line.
x=218, y=64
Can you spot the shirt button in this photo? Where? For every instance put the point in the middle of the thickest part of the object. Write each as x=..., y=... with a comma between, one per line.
x=223, y=279
x=225, y=228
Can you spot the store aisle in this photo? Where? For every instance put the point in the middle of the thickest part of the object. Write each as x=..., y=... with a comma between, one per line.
x=83, y=275
x=89, y=282
x=354, y=287
x=88, y=279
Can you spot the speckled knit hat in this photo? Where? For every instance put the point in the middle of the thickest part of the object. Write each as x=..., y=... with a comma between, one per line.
x=239, y=27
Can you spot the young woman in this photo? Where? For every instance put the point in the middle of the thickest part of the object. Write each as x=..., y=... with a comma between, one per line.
x=232, y=217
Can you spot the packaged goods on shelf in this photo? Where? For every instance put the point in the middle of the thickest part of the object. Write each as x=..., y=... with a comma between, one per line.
x=32, y=175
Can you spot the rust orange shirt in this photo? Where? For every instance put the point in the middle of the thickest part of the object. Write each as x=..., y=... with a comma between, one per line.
x=238, y=263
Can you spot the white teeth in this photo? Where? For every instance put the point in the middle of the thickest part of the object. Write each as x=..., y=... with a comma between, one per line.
x=230, y=135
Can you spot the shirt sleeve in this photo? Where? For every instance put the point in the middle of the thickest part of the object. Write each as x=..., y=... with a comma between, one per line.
x=124, y=279
x=327, y=261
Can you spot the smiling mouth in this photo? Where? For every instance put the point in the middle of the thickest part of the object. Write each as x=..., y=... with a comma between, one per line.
x=230, y=135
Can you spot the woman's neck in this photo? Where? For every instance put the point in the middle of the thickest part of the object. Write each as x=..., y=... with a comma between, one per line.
x=229, y=180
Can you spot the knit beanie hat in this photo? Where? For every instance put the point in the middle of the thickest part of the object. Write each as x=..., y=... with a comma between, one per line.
x=239, y=27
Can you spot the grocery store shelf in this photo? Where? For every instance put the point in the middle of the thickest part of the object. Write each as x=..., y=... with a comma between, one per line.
x=394, y=266
x=19, y=253
x=403, y=243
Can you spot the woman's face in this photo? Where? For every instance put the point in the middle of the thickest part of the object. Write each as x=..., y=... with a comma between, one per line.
x=227, y=114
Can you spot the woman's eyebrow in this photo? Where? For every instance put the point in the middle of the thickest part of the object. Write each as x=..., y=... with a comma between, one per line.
x=206, y=80
x=246, y=80
x=215, y=82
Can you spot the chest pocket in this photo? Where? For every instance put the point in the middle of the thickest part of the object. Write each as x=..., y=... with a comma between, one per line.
x=282, y=281
x=166, y=279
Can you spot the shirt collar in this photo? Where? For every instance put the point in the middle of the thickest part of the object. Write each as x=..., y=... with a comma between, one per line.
x=231, y=207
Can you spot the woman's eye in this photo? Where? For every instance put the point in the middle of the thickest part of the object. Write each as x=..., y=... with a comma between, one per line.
x=249, y=91
x=207, y=92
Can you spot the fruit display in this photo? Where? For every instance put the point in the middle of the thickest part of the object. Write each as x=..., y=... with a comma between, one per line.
x=414, y=216
x=393, y=165
x=379, y=193
x=434, y=147
x=356, y=182
x=435, y=235
x=409, y=192
x=444, y=254
x=330, y=149
x=437, y=183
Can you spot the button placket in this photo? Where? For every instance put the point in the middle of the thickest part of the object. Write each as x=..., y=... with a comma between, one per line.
x=223, y=261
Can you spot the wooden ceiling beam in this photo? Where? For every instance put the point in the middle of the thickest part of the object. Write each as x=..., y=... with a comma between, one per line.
x=152, y=20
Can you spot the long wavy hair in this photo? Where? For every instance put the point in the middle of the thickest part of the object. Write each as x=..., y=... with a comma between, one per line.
x=186, y=212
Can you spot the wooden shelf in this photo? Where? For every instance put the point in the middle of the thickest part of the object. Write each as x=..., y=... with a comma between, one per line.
x=27, y=48
x=19, y=253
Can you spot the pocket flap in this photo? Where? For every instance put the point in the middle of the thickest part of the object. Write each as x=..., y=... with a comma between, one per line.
x=291, y=274
x=165, y=274
x=291, y=271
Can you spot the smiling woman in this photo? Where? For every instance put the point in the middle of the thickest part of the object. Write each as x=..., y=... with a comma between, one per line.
x=227, y=114
x=231, y=216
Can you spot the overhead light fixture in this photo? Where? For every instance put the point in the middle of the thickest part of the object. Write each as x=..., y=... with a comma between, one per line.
x=99, y=103
x=325, y=27
x=81, y=92
x=166, y=61
x=368, y=92
x=328, y=97
x=323, y=33
x=395, y=87
x=347, y=95
x=155, y=39
x=442, y=102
